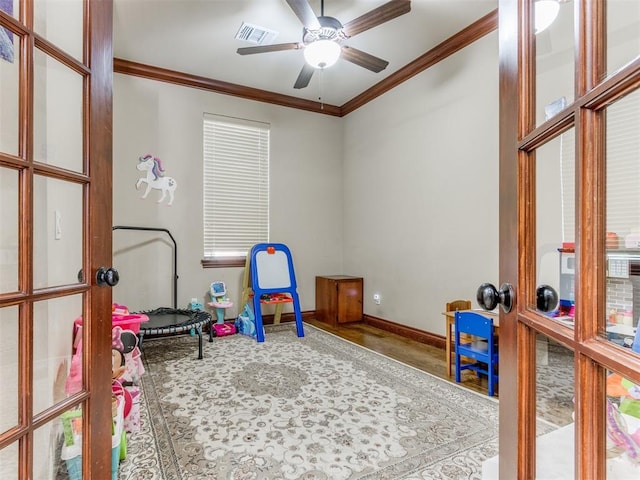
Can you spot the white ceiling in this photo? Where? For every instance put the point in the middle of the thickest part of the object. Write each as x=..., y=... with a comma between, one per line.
x=197, y=37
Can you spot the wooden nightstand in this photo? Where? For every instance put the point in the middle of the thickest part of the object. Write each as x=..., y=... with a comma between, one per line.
x=338, y=299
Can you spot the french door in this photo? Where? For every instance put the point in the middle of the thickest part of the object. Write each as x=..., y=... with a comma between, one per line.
x=55, y=206
x=570, y=220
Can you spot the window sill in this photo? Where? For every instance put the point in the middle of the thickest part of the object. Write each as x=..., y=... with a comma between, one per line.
x=223, y=262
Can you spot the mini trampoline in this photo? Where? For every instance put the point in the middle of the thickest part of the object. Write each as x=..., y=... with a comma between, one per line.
x=165, y=321
x=171, y=321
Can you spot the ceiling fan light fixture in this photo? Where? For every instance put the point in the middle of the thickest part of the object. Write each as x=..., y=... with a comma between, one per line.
x=322, y=53
x=545, y=14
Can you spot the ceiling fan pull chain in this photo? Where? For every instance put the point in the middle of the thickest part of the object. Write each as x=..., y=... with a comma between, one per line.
x=321, y=97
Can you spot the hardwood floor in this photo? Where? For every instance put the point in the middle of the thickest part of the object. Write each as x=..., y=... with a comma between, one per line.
x=419, y=355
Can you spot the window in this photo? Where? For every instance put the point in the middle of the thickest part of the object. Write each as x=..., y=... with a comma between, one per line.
x=236, y=188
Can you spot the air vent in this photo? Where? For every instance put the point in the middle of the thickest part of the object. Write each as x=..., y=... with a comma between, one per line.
x=255, y=34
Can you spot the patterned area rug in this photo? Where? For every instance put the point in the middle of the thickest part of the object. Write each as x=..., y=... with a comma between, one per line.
x=309, y=408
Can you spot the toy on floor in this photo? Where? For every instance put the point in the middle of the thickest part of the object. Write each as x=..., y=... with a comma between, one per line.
x=246, y=322
x=626, y=393
x=126, y=370
x=620, y=435
x=126, y=364
x=194, y=304
x=220, y=302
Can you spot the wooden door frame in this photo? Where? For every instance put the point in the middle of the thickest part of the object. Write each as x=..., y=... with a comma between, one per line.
x=508, y=231
x=97, y=358
x=97, y=69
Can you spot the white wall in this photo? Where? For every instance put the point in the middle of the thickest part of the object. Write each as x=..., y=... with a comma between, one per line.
x=166, y=120
x=421, y=189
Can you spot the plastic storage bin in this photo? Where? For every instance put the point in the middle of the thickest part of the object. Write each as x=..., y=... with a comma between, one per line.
x=72, y=454
x=129, y=322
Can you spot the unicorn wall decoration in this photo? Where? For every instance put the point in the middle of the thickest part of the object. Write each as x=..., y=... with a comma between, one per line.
x=155, y=177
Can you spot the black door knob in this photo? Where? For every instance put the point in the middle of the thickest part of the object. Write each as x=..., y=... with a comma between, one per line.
x=489, y=297
x=546, y=298
x=107, y=277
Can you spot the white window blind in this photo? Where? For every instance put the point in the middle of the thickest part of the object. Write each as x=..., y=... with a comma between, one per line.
x=236, y=185
x=568, y=172
x=623, y=165
x=622, y=170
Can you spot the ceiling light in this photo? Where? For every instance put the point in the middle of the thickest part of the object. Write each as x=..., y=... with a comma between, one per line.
x=322, y=53
x=545, y=13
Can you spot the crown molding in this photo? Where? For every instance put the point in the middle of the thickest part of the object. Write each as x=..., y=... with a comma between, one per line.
x=453, y=44
x=194, y=81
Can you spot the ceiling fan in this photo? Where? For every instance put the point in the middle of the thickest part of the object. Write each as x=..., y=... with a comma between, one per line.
x=323, y=37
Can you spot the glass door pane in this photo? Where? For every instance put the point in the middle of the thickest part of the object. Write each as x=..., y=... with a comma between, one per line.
x=9, y=462
x=61, y=23
x=9, y=360
x=555, y=222
x=9, y=245
x=57, y=231
x=623, y=25
x=59, y=447
x=555, y=62
x=554, y=409
x=9, y=90
x=623, y=427
x=555, y=267
x=57, y=372
x=58, y=114
x=12, y=7
x=623, y=219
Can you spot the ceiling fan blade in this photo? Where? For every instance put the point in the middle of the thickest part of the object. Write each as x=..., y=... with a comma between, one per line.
x=303, y=11
x=377, y=16
x=270, y=48
x=363, y=59
x=304, y=77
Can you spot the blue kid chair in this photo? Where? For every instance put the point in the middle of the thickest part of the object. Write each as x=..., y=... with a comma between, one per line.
x=272, y=273
x=482, y=348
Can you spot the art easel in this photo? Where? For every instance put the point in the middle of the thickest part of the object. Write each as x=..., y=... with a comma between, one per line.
x=269, y=278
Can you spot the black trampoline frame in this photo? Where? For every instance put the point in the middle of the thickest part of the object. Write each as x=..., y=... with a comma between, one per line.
x=200, y=318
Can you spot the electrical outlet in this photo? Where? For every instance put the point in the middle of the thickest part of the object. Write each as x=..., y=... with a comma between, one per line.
x=376, y=298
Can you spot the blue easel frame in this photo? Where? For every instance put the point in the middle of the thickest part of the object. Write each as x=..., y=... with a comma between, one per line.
x=291, y=289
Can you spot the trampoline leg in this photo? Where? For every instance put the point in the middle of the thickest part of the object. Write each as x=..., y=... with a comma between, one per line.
x=211, y=331
x=199, y=332
x=140, y=337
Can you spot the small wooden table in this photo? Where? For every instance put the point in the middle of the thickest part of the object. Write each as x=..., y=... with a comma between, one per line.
x=451, y=319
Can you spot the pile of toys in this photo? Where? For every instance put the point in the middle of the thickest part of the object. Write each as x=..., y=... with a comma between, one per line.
x=623, y=416
x=244, y=323
x=126, y=370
